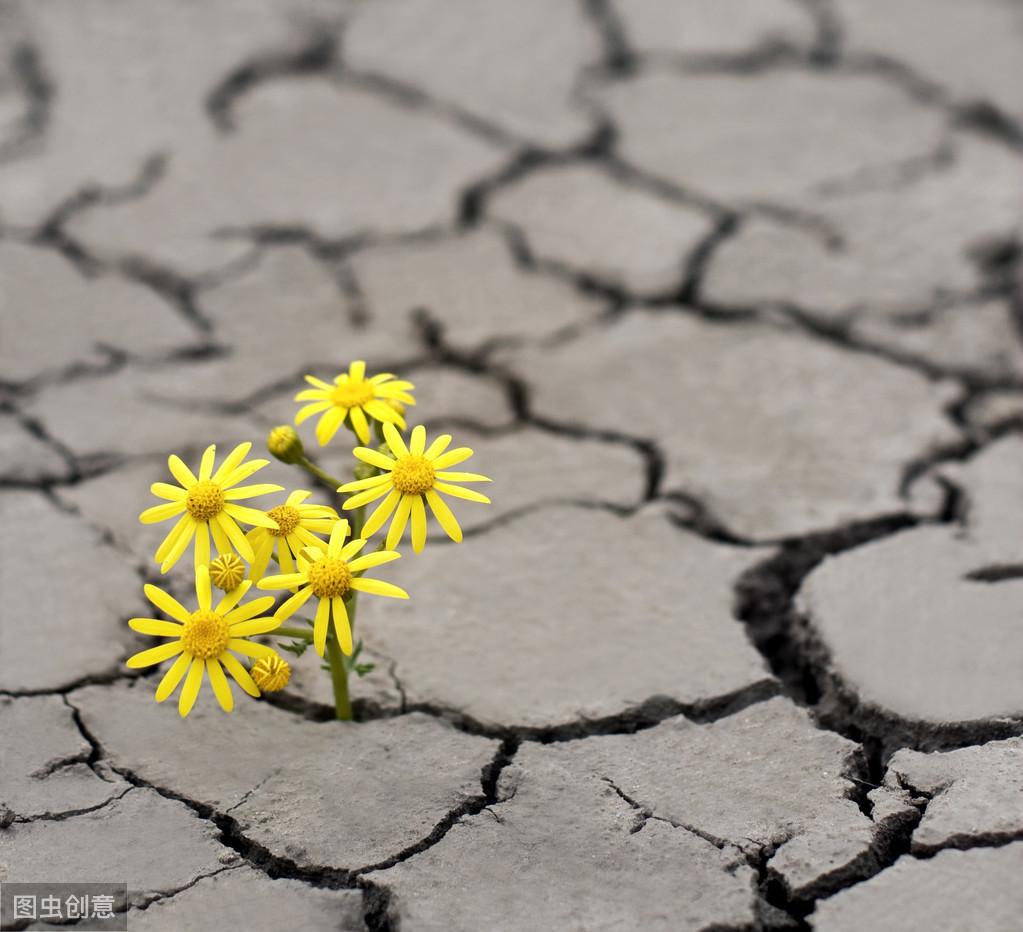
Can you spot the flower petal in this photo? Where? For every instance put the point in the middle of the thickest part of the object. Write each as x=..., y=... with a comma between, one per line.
x=249, y=610
x=190, y=690
x=232, y=461
x=394, y=441
x=203, y=590
x=383, y=412
x=240, y=674
x=181, y=472
x=397, y=527
x=470, y=495
x=378, y=587
x=452, y=458
x=220, y=540
x=251, y=516
x=202, y=544
x=286, y=581
x=338, y=533
x=172, y=677
x=418, y=524
x=172, y=537
x=168, y=491
x=417, y=442
x=463, y=477
x=262, y=548
x=342, y=626
x=320, y=626
x=166, y=603
x=154, y=655
x=180, y=545
x=236, y=536
x=161, y=512
x=248, y=648
x=232, y=598
x=374, y=458
x=382, y=512
x=253, y=626
x=439, y=445
x=359, y=424
x=218, y=681
x=309, y=410
x=242, y=473
x=294, y=603
x=350, y=549
x=206, y=464
x=156, y=627
x=364, y=498
x=250, y=491
x=444, y=516
x=377, y=558
x=329, y=424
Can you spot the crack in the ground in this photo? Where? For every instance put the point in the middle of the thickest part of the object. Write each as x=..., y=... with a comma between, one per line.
x=37, y=92
x=317, y=54
x=376, y=899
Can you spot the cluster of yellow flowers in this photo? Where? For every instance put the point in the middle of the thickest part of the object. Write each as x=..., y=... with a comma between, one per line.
x=309, y=543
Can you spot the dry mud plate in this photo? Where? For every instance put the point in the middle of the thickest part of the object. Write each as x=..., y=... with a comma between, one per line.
x=727, y=297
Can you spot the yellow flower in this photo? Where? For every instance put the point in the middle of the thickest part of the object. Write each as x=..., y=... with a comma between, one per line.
x=203, y=640
x=227, y=571
x=208, y=503
x=353, y=396
x=295, y=524
x=330, y=575
x=415, y=476
x=271, y=673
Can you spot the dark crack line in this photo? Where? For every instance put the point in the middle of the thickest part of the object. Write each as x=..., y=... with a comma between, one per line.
x=37, y=91
x=375, y=898
x=66, y=814
x=317, y=54
x=765, y=602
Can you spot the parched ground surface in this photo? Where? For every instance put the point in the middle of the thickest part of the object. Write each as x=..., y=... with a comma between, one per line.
x=726, y=297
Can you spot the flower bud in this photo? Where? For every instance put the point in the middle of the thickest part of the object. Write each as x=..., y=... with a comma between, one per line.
x=227, y=571
x=271, y=673
x=285, y=443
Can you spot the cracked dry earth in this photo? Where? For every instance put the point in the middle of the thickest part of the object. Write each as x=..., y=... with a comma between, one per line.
x=726, y=295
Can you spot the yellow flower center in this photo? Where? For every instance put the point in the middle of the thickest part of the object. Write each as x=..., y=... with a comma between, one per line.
x=206, y=635
x=352, y=394
x=287, y=518
x=413, y=475
x=227, y=571
x=271, y=673
x=330, y=578
x=205, y=500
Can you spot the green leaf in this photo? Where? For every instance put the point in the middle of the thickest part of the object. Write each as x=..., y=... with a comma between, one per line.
x=363, y=669
x=298, y=648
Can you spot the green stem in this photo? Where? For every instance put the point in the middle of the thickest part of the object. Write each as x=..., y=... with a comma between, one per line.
x=339, y=677
x=287, y=632
x=309, y=466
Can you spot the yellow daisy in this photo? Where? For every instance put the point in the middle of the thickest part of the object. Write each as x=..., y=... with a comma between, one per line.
x=207, y=505
x=295, y=525
x=330, y=575
x=353, y=396
x=414, y=478
x=203, y=640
